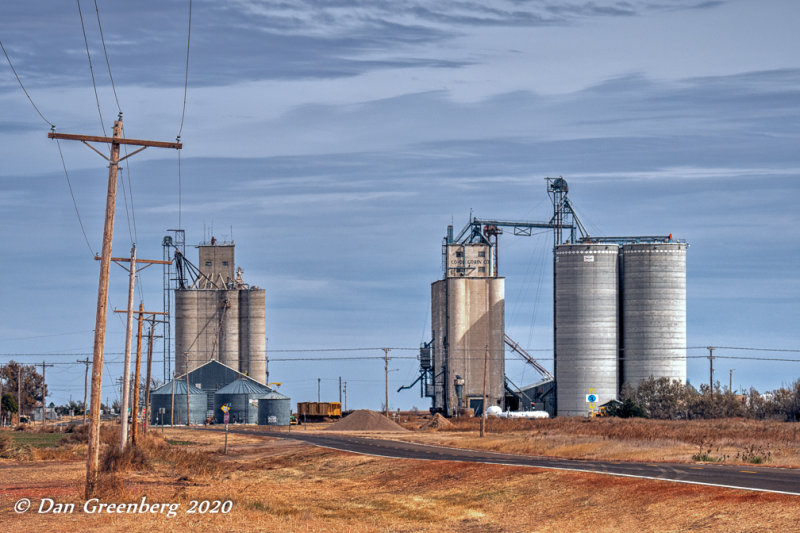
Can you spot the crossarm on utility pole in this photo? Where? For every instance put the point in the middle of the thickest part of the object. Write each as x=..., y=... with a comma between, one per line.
x=114, y=140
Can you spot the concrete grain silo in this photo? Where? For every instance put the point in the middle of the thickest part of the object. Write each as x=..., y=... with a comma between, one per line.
x=468, y=319
x=586, y=325
x=654, y=311
x=219, y=317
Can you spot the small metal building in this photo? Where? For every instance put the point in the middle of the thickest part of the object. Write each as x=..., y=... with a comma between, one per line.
x=242, y=395
x=274, y=409
x=162, y=398
x=212, y=376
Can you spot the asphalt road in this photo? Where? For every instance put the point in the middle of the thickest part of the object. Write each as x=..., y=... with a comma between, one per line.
x=779, y=480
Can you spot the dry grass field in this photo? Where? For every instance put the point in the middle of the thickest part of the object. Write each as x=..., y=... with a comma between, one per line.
x=283, y=485
x=730, y=441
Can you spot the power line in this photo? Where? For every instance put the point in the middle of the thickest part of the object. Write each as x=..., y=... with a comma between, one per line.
x=186, y=75
x=23, y=87
x=105, y=52
x=91, y=68
x=60, y=153
x=74, y=202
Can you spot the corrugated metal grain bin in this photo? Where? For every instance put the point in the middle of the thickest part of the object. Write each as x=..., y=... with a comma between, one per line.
x=274, y=409
x=586, y=319
x=162, y=398
x=242, y=395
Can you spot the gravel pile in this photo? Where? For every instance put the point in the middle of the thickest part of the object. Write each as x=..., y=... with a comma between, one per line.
x=365, y=420
x=438, y=422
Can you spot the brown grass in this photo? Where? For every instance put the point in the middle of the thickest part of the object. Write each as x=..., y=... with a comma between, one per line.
x=287, y=486
x=727, y=440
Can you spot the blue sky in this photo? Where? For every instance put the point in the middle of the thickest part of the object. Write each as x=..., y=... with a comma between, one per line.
x=339, y=138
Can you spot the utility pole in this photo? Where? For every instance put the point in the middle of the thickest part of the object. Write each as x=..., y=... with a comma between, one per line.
x=149, y=364
x=93, y=455
x=711, y=370
x=19, y=394
x=730, y=379
x=345, y=396
x=483, y=405
x=44, y=395
x=126, y=379
x=85, y=386
x=126, y=366
x=137, y=378
x=340, y=390
x=386, y=374
x=172, y=408
x=188, y=420
x=318, y=390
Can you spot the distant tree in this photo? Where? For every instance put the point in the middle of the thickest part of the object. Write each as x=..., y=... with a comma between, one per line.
x=9, y=403
x=628, y=408
x=31, y=383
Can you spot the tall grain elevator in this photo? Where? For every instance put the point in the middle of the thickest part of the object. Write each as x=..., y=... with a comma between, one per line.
x=220, y=317
x=468, y=324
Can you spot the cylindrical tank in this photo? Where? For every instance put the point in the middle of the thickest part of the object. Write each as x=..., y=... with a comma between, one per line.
x=162, y=398
x=186, y=346
x=257, y=335
x=274, y=409
x=586, y=325
x=229, y=338
x=654, y=311
x=242, y=395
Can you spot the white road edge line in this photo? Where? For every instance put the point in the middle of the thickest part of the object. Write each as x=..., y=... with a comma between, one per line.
x=567, y=469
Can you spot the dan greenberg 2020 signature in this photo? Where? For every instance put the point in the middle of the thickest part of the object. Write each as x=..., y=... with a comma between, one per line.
x=95, y=506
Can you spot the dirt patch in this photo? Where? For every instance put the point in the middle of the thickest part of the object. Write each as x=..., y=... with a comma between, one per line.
x=365, y=420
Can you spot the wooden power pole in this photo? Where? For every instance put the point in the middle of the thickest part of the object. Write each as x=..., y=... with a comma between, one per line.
x=85, y=386
x=19, y=394
x=44, y=394
x=483, y=405
x=133, y=269
x=711, y=370
x=93, y=455
x=147, y=379
x=137, y=366
x=386, y=376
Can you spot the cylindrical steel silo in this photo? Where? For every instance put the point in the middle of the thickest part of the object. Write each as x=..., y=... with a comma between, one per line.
x=274, y=409
x=229, y=339
x=242, y=395
x=186, y=346
x=654, y=311
x=162, y=398
x=586, y=325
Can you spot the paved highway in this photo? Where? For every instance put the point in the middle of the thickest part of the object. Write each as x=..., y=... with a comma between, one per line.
x=767, y=479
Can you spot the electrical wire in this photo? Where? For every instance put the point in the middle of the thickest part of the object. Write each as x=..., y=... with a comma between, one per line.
x=91, y=69
x=23, y=87
x=58, y=144
x=74, y=202
x=186, y=75
x=105, y=52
